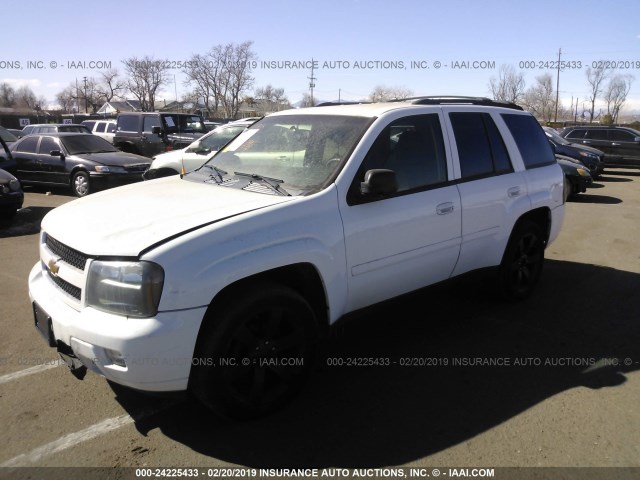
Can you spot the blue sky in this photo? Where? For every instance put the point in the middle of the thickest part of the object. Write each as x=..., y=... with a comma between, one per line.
x=348, y=31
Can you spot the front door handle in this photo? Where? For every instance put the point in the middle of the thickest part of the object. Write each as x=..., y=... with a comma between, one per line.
x=444, y=208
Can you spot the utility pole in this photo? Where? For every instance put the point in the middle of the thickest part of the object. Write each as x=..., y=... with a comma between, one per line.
x=555, y=119
x=312, y=84
x=85, y=95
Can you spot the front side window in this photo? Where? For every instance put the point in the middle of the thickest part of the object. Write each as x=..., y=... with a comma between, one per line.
x=413, y=148
x=577, y=133
x=533, y=145
x=47, y=144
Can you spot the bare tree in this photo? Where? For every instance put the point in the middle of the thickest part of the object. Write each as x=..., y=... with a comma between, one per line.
x=540, y=99
x=7, y=95
x=237, y=78
x=307, y=101
x=509, y=86
x=202, y=74
x=25, y=98
x=110, y=85
x=383, y=93
x=615, y=94
x=145, y=77
x=596, y=78
x=67, y=99
x=273, y=99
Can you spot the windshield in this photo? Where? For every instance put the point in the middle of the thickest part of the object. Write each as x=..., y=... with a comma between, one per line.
x=175, y=123
x=303, y=151
x=217, y=139
x=553, y=135
x=7, y=136
x=86, y=144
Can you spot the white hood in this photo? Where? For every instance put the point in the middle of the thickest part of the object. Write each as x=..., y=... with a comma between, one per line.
x=124, y=221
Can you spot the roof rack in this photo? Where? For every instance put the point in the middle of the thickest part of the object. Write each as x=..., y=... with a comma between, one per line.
x=457, y=100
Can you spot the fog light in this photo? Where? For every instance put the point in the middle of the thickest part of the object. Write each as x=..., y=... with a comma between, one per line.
x=116, y=358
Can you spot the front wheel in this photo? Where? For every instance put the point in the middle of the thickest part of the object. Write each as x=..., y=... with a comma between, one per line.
x=80, y=184
x=254, y=352
x=522, y=261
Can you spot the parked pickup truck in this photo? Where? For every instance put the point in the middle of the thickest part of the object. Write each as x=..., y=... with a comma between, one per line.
x=151, y=133
x=221, y=281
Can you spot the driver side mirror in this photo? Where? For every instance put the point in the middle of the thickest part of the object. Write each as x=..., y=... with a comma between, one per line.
x=379, y=181
x=57, y=153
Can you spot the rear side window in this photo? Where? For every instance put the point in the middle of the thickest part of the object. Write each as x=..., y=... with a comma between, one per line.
x=480, y=147
x=532, y=143
x=128, y=123
x=578, y=133
x=597, y=134
x=28, y=145
x=100, y=127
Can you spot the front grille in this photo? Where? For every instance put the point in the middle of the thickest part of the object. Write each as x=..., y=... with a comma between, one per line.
x=66, y=287
x=69, y=255
x=141, y=167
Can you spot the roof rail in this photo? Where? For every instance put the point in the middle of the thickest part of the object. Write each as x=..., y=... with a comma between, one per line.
x=458, y=100
x=331, y=104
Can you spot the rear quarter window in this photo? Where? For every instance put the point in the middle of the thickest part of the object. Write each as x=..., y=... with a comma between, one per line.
x=128, y=124
x=532, y=143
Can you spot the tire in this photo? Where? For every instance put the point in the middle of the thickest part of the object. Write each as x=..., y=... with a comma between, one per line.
x=237, y=370
x=522, y=261
x=80, y=184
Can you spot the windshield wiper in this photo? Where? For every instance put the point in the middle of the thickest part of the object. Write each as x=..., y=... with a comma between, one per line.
x=219, y=171
x=272, y=182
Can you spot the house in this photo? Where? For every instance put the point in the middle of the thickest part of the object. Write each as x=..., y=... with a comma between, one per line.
x=115, y=107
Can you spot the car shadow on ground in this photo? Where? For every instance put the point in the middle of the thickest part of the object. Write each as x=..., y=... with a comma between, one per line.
x=579, y=329
x=590, y=198
x=26, y=222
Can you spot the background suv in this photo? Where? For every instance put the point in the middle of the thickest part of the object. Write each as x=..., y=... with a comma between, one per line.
x=621, y=145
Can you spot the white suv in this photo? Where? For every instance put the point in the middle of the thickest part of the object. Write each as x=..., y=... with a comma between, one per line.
x=220, y=281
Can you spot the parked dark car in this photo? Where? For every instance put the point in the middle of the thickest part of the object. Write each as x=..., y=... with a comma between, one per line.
x=54, y=128
x=11, y=195
x=576, y=175
x=83, y=162
x=151, y=133
x=621, y=145
x=592, y=158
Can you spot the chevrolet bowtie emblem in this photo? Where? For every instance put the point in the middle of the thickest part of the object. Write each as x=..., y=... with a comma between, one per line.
x=54, y=268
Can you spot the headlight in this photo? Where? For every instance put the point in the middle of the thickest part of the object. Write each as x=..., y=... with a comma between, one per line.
x=14, y=185
x=125, y=288
x=106, y=169
x=582, y=172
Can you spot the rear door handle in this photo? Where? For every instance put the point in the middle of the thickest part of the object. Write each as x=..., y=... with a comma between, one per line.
x=444, y=208
x=514, y=192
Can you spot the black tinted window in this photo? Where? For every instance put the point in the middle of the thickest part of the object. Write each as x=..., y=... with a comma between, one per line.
x=413, y=148
x=28, y=145
x=100, y=127
x=579, y=133
x=128, y=123
x=532, y=143
x=480, y=146
x=149, y=123
x=47, y=144
x=622, y=136
x=596, y=134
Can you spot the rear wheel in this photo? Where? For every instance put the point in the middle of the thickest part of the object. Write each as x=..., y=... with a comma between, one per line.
x=522, y=261
x=254, y=352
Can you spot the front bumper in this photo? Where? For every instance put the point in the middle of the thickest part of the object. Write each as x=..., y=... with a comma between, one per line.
x=150, y=354
x=110, y=180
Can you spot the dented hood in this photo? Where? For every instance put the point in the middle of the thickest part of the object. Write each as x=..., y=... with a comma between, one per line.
x=125, y=221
